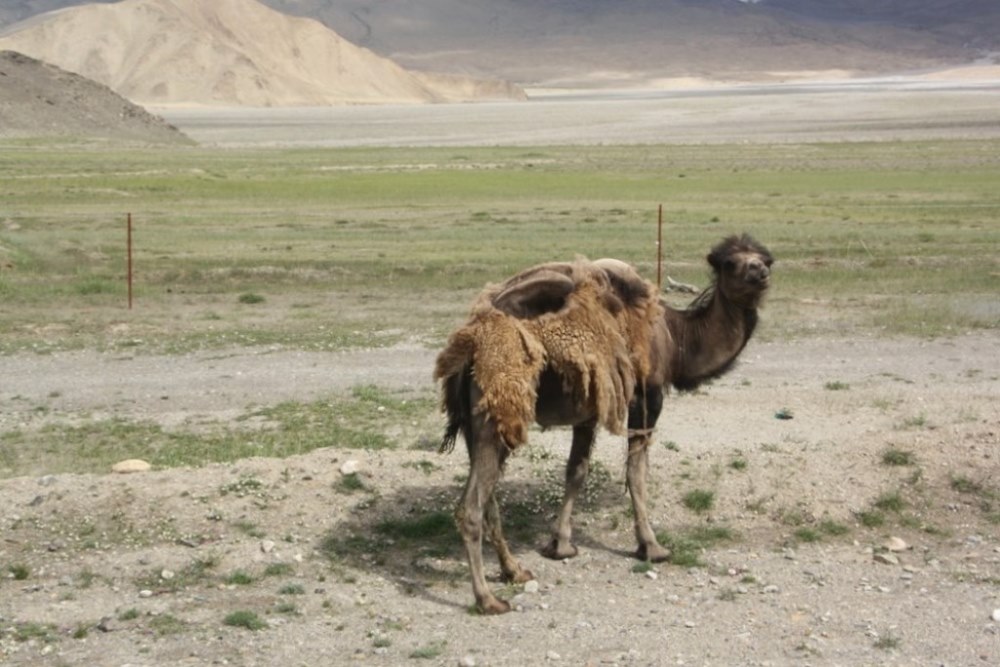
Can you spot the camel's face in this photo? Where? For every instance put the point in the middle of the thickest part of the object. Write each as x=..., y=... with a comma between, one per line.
x=743, y=269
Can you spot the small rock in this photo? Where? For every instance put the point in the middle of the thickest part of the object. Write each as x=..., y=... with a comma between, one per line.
x=650, y=574
x=996, y=615
x=130, y=465
x=553, y=656
x=771, y=589
x=531, y=587
x=467, y=661
x=267, y=546
x=167, y=575
x=885, y=558
x=895, y=544
x=145, y=593
x=350, y=467
x=47, y=480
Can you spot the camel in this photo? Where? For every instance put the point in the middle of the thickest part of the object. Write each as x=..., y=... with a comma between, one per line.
x=583, y=344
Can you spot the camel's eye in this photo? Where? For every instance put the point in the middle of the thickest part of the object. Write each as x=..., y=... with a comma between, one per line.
x=729, y=265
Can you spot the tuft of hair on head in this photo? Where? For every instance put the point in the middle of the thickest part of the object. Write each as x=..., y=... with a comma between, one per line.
x=735, y=244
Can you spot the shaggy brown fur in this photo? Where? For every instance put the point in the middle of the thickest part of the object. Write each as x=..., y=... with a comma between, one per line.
x=583, y=344
x=573, y=318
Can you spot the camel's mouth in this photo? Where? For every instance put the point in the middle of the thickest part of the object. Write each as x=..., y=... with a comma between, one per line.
x=759, y=282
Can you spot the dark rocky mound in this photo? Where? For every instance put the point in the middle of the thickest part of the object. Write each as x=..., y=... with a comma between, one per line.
x=41, y=100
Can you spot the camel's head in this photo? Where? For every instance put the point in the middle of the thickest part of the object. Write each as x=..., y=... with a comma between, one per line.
x=742, y=269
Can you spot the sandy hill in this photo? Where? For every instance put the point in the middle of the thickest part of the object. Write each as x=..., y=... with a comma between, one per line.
x=226, y=52
x=38, y=100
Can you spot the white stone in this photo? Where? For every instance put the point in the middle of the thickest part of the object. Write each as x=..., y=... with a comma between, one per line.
x=267, y=546
x=531, y=586
x=996, y=615
x=167, y=575
x=130, y=465
x=350, y=467
x=895, y=544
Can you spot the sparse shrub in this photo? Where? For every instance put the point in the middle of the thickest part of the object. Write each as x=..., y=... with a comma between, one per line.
x=699, y=500
x=245, y=619
x=897, y=457
x=239, y=578
x=292, y=589
x=836, y=386
x=890, y=502
x=251, y=298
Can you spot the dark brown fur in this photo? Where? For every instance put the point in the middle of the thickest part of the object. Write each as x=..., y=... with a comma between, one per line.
x=688, y=347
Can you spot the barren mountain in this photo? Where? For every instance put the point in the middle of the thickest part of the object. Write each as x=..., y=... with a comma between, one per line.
x=37, y=99
x=226, y=52
x=635, y=42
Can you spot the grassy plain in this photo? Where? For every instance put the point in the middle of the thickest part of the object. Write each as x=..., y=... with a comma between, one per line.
x=330, y=248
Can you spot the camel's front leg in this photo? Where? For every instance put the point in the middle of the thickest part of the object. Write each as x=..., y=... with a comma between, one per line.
x=643, y=413
x=486, y=457
x=577, y=468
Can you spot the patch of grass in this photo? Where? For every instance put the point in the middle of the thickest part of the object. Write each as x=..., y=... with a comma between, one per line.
x=239, y=578
x=832, y=528
x=966, y=485
x=167, y=624
x=890, y=502
x=245, y=619
x=429, y=651
x=871, y=518
x=887, y=642
x=738, y=463
x=808, y=535
x=19, y=571
x=251, y=298
x=642, y=567
x=423, y=465
x=349, y=483
x=836, y=385
x=894, y=456
x=129, y=614
x=43, y=632
x=278, y=569
x=249, y=528
x=699, y=501
x=686, y=546
x=292, y=589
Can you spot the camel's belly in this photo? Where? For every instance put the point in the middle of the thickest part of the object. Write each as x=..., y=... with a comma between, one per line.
x=556, y=407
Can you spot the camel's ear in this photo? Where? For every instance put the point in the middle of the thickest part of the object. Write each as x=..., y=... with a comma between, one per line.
x=544, y=292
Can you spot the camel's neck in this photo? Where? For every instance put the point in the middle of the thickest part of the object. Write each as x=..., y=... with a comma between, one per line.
x=708, y=337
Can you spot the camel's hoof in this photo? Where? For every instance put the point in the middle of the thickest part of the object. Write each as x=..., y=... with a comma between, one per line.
x=653, y=553
x=519, y=577
x=557, y=551
x=492, y=606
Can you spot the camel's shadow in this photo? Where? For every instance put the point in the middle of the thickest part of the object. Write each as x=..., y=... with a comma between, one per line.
x=409, y=536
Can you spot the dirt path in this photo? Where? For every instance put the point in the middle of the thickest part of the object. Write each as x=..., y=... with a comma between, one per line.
x=143, y=569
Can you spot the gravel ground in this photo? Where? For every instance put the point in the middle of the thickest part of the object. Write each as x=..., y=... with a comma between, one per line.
x=138, y=569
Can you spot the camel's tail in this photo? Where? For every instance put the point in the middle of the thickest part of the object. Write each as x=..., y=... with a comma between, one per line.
x=457, y=405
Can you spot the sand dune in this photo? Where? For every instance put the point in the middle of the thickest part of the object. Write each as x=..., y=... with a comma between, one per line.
x=227, y=53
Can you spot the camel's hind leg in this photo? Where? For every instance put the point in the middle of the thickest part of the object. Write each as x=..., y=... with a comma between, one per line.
x=486, y=457
x=643, y=414
x=577, y=468
x=509, y=566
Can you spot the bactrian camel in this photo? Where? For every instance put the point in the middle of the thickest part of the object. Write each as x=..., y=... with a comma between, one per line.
x=583, y=344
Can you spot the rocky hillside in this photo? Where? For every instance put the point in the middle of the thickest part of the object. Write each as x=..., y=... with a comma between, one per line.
x=229, y=53
x=38, y=100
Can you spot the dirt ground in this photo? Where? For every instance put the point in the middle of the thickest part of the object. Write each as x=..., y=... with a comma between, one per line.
x=139, y=569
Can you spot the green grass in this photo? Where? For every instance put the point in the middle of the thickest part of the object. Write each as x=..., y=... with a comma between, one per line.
x=359, y=419
x=699, y=501
x=245, y=619
x=400, y=238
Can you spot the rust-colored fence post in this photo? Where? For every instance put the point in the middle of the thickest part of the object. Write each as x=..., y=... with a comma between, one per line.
x=129, y=253
x=659, y=249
